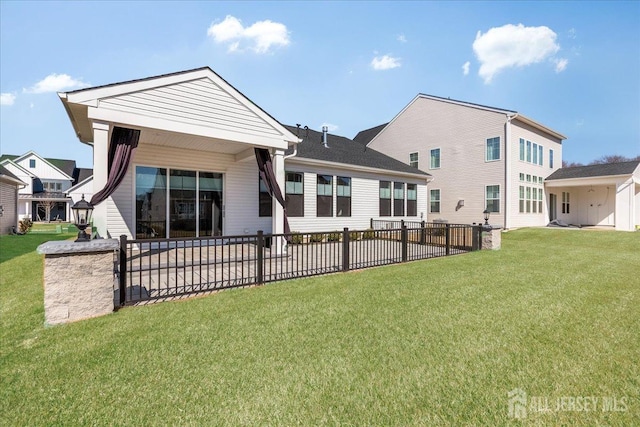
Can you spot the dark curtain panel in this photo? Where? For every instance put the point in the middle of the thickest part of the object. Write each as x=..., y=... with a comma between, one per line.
x=265, y=166
x=123, y=142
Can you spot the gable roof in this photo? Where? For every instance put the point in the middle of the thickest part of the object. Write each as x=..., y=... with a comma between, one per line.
x=344, y=150
x=364, y=136
x=66, y=166
x=52, y=163
x=512, y=114
x=82, y=174
x=78, y=102
x=605, y=169
x=5, y=175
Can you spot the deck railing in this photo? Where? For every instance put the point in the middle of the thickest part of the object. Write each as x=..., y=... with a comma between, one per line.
x=153, y=269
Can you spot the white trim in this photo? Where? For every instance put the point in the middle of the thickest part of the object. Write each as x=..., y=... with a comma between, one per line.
x=486, y=150
x=31, y=152
x=81, y=183
x=439, y=158
x=314, y=162
x=9, y=161
x=569, y=182
x=499, y=196
x=439, y=200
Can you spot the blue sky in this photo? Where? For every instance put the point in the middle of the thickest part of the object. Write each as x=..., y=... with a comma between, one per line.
x=573, y=66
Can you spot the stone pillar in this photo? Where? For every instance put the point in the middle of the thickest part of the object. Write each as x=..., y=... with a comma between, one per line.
x=492, y=239
x=78, y=279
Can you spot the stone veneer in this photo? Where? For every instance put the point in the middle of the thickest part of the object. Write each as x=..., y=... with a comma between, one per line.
x=78, y=279
x=492, y=239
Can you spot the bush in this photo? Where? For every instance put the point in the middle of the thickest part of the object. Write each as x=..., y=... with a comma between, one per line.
x=24, y=225
x=334, y=237
x=354, y=235
x=368, y=234
x=316, y=237
x=296, y=238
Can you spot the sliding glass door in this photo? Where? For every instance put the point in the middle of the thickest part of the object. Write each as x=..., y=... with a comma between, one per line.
x=210, y=204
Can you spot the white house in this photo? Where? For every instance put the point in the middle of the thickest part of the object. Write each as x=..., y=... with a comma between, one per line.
x=193, y=171
x=603, y=195
x=480, y=158
x=9, y=185
x=47, y=181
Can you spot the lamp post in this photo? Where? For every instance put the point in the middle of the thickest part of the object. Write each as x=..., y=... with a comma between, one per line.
x=82, y=211
x=486, y=225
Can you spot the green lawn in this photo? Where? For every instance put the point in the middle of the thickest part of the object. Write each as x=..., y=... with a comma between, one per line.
x=437, y=342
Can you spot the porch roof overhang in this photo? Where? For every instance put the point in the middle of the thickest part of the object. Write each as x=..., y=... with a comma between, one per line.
x=86, y=106
x=590, y=180
x=45, y=197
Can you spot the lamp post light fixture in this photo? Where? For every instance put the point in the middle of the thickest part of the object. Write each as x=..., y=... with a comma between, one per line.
x=486, y=226
x=82, y=211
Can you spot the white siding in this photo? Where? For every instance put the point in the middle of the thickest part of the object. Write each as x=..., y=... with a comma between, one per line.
x=198, y=102
x=461, y=133
x=240, y=193
x=22, y=176
x=43, y=169
x=364, y=199
x=521, y=130
x=85, y=189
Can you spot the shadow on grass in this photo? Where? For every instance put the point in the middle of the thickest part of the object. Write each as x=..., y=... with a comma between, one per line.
x=13, y=246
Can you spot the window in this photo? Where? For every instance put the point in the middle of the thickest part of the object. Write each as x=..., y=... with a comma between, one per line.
x=529, y=151
x=521, y=199
x=534, y=199
x=294, y=193
x=521, y=177
x=385, y=198
x=565, y=202
x=522, y=151
x=540, y=200
x=535, y=153
x=398, y=199
x=265, y=200
x=528, y=178
x=343, y=196
x=412, y=199
x=324, y=205
x=435, y=159
x=434, y=201
x=493, y=198
x=493, y=149
x=528, y=199
x=550, y=158
x=32, y=163
x=413, y=160
x=540, y=159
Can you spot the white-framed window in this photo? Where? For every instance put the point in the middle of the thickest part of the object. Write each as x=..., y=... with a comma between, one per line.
x=32, y=163
x=492, y=198
x=522, y=150
x=540, y=155
x=493, y=149
x=343, y=196
x=535, y=153
x=529, y=151
x=522, y=177
x=324, y=195
x=565, y=203
x=385, y=198
x=534, y=200
x=294, y=193
x=434, y=159
x=398, y=199
x=550, y=158
x=540, y=200
x=528, y=198
x=413, y=160
x=434, y=201
x=521, y=199
x=412, y=199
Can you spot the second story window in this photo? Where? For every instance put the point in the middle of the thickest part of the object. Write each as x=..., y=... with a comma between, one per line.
x=434, y=162
x=551, y=159
x=32, y=163
x=493, y=149
x=413, y=160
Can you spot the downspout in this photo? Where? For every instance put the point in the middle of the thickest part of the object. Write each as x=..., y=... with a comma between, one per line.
x=507, y=163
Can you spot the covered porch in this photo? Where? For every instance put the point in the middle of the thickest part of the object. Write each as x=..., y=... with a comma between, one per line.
x=596, y=200
x=183, y=147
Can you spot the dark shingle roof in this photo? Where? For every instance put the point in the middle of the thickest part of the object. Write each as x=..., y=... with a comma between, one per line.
x=8, y=156
x=346, y=151
x=66, y=166
x=82, y=174
x=365, y=136
x=606, y=169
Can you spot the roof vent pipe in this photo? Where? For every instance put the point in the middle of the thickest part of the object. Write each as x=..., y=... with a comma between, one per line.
x=325, y=129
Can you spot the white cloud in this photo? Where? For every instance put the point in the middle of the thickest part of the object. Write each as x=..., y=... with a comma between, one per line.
x=465, y=68
x=385, y=62
x=330, y=127
x=561, y=64
x=56, y=82
x=512, y=46
x=7, y=99
x=261, y=36
x=572, y=33
x=401, y=38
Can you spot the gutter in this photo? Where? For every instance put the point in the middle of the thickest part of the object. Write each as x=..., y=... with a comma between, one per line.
x=507, y=172
x=324, y=163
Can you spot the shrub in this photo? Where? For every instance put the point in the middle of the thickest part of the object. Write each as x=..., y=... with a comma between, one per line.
x=368, y=234
x=354, y=235
x=334, y=237
x=316, y=237
x=24, y=225
x=296, y=238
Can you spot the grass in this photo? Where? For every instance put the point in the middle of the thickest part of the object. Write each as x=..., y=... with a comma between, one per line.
x=436, y=342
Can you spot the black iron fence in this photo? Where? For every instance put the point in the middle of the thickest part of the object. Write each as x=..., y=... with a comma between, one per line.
x=152, y=269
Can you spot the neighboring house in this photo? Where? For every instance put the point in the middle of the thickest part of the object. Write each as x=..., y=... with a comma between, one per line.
x=47, y=181
x=605, y=195
x=9, y=186
x=193, y=169
x=480, y=158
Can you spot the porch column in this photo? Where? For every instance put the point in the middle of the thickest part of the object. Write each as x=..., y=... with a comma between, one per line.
x=624, y=205
x=277, y=225
x=100, y=173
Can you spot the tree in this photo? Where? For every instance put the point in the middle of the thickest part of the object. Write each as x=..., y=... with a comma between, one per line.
x=47, y=206
x=568, y=164
x=614, y=158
